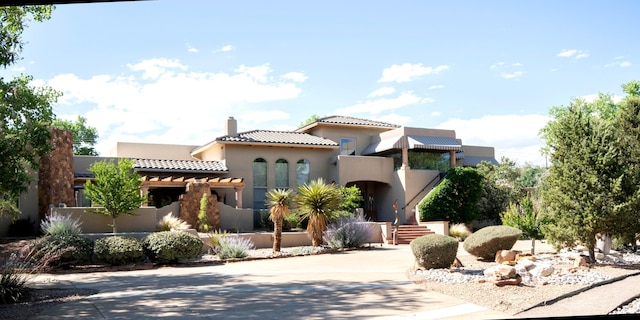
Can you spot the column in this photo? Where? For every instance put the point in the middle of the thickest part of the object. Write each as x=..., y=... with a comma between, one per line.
x=238, y=197
x=452, y=158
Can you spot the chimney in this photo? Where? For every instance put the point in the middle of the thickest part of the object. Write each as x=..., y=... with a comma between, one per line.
x=231, y=128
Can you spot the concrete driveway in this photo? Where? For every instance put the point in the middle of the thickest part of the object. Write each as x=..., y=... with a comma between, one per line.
x=370, y=283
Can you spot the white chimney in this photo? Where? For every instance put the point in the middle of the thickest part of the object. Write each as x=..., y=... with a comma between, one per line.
x=231, y=128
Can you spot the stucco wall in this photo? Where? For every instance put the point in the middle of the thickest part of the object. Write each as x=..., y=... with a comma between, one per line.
x=360, y=168
x=144, y=219
x=152, y=151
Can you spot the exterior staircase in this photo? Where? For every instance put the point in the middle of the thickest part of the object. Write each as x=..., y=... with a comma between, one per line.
x=408, y=232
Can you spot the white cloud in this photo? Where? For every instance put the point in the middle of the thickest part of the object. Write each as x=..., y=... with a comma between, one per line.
x=381, y=105
x=170, y=105
x=625, y=64
x=436, y=114
x=517, y=64
x=513, y=136
x=408, y=72
x=193, y=50
x=438, y=86
x=226, y=48
x=18, y=69
x=513, y=75
x=578, y=54
x=295, y=76
x=621, y=64
x=153, y=68
x=393, y=118
x=497, y=65
x=381, y=92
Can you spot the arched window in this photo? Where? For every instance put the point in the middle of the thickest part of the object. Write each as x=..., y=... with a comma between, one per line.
x=282, y=174
x=302, y=171
x=259, y=183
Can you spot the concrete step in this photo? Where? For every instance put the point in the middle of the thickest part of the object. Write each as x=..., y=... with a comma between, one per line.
x=406, y=233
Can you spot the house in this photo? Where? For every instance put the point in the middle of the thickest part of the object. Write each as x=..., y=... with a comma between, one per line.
x=386, y=161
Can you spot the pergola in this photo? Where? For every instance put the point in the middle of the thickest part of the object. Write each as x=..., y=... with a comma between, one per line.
x=214, y=182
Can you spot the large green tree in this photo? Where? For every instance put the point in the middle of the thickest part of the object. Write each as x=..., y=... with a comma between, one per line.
x=84, y=136
x=592, y=183
x=25, y=111
x=116, y=188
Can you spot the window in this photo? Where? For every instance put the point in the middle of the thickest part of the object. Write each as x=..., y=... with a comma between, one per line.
x=259, y=183
x=348, y=146
x=282, y=174
x=302, y=172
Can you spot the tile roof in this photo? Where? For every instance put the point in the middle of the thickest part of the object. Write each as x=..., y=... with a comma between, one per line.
x=278, y=137
x=356, y=122
x=179, y=165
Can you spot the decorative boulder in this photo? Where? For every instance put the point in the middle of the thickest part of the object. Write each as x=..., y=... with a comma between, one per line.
x=503, y=256
x=434, y=251
x=542, y=270
x=486, y=242
x=500, y=272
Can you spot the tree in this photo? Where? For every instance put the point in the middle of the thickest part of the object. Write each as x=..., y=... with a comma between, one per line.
x=84, y=137
x=456, y=197
x=351, y=198
x=592, y=185
x=25, y=111
x=310, y=120
x=317, y=200
x=116, y=188
x=278, y=201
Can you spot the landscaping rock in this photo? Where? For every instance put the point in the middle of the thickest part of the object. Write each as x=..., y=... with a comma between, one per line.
x=541, y=270
x=503, y=256
x=486, y=242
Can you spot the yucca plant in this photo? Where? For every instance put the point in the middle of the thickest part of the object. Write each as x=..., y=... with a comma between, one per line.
x=171, y=223
x=278, y=201
x=317, y=200
x=60, y=225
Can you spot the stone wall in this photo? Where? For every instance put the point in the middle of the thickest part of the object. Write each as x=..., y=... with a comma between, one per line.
x=190, y=205
x=55, y=176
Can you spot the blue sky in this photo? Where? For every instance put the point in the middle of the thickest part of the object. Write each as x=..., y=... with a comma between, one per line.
x=170, y=71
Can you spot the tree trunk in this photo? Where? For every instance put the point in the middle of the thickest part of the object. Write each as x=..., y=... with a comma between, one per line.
x=592, y=254
x=604, y=243
x=115, y=227
x=533, y=246
x=277, y=235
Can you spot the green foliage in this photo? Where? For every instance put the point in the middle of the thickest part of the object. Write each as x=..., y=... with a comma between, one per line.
x=526, y=216
x=171, y=223
x=351, y=198
x=350, y=232
x=117, y=250
x=171, y=246
x=434, y=251
x=234, y=247
x=317, y=200
x=116, y=188
x=459, y=231
x=485, y=242
x=84, y=137
x=63, y=250
x=455, y=198
x=203, y=219
x=278, y=201
x=25, y=111
x=13, y=280
x=313, y=118
x=59, y=225
x=592, y=183
x=216, y=237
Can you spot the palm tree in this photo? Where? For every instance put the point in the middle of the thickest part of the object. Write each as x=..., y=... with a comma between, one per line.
x=317, y=200
x=278, y=201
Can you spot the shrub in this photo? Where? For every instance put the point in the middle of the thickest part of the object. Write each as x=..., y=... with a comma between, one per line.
x=434, y=251
x=59, y=225
x=62, y=250
x=485, y=242
x=171, y=223
x=348, y=232
x=234, y=247
x=459, y=231
x=13, y=280
x=204, y=224
x=216, y=236
x=171, y=246
x=118, y=250
x=455, y=198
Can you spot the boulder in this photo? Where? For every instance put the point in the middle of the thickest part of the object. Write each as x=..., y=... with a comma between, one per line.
x=526, y=264
x=500, y=272
x=580, y=262
x=506, y=255
x=542, y=270
x=525, y=256
x=509, y=282
x=485, y=242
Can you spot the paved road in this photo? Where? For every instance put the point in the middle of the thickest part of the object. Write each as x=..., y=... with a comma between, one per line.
x=357, y=284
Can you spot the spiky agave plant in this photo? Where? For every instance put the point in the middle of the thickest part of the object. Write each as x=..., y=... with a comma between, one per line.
x=317, y=200
x=278, y=201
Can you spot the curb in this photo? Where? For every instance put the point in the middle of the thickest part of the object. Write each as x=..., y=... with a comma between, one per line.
x=587, y=288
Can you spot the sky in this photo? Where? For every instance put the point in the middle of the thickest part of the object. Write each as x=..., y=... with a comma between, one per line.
x=172, y=71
